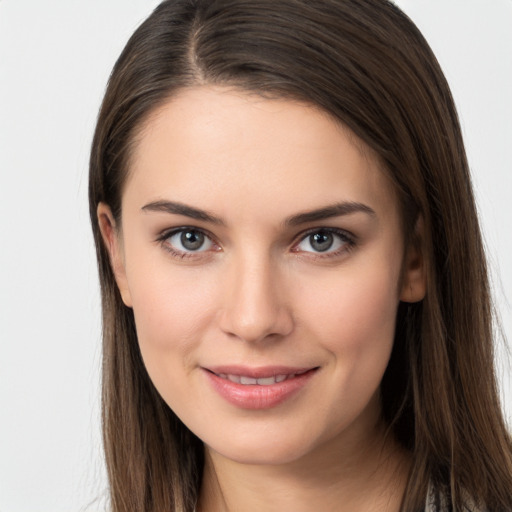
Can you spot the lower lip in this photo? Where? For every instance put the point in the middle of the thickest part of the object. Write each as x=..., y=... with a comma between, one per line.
x=254, y=396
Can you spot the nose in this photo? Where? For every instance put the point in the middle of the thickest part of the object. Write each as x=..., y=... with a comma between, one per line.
x=254, y=306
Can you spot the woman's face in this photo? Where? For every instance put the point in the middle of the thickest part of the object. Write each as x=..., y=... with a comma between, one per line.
x=261, y=251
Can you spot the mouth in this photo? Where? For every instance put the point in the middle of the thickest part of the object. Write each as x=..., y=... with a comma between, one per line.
x=259, y=388
x=247, y=380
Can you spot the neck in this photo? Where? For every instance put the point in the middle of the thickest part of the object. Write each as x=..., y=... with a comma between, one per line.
x=360, y=475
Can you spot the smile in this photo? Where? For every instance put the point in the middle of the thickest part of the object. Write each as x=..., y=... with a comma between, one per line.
x=262, y=381
x=261, y=388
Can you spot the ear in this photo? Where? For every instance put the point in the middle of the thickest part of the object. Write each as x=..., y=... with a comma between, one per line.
x=414, y=284
x=113, y=243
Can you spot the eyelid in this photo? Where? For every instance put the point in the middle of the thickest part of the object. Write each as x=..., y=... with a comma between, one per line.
x=349, y=241
x=168, y=233
x=347, y=237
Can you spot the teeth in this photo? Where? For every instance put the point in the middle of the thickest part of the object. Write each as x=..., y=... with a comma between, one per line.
x=267, y=381
x=247, y=380
x=263, y=381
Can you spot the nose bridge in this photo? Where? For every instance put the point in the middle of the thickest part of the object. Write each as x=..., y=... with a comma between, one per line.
x=255, y=308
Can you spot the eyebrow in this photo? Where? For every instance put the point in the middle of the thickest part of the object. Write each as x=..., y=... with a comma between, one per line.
x=334, y=210
x=327, y=212
x=175, y=208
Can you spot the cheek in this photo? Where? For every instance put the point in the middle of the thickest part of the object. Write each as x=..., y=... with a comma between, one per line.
x=354, y=314
x=172, y=312
x=353, y=318
x=172, y=307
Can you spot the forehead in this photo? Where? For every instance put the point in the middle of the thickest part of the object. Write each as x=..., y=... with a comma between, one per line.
x=211, y=144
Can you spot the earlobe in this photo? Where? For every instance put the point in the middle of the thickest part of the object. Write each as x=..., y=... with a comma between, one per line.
x=113, y=244
x=414, y=286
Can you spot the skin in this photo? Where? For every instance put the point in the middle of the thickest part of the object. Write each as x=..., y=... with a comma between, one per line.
x=258, y=293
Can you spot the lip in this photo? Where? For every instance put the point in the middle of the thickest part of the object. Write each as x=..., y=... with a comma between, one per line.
x=258, y=396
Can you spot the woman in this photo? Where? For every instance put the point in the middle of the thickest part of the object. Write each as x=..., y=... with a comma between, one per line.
x=295, y=312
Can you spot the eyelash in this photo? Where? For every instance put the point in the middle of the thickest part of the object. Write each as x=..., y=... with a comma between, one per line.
x=347, y=239
x=166, y=235
x=348, y=242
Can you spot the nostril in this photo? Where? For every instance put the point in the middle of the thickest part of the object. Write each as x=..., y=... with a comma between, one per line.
x=253, y=309
x=270, y=325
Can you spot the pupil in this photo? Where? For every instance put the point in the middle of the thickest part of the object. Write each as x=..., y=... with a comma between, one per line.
x=192, y=240
x=321, y=241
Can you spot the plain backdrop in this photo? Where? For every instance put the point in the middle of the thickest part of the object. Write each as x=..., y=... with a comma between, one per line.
x=55, y=58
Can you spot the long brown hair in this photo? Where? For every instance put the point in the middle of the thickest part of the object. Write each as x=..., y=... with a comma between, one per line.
x=365, y=63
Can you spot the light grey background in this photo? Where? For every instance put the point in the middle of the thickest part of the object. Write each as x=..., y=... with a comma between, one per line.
x=55, y=57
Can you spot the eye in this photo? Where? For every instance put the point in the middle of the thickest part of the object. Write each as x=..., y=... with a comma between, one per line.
x=325, y=240
x=185, y=241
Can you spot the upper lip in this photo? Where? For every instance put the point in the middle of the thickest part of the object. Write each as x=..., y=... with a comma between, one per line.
x=259, y=372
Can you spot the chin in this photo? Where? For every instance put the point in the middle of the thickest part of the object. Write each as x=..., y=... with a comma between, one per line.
x=262, y=456
x=266, y=447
